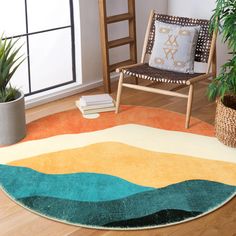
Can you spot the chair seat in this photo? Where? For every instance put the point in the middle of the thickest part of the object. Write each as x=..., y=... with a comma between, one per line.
x=144, y=71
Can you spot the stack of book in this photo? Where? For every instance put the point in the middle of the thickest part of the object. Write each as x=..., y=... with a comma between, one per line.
x=95, y=104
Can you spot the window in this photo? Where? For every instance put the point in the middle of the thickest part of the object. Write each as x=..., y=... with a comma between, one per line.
x=46, y=28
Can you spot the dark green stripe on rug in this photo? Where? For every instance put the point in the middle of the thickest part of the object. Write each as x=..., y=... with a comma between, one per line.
x=110, y=214
x=98, y=200
x=160, y=218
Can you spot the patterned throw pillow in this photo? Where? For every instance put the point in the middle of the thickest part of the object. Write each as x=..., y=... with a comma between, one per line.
x=174, y=47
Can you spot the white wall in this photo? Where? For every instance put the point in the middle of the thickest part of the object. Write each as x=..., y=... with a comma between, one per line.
x=142, y=16
x=198, y=9
x=90, y=32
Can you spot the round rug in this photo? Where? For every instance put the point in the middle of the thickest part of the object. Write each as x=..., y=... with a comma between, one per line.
x=136, y=170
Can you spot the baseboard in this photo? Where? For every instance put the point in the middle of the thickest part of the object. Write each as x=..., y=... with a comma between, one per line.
x=59, y=94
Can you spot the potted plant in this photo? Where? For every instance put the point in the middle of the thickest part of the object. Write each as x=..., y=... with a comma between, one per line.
x=12, y=105
x=223, y=87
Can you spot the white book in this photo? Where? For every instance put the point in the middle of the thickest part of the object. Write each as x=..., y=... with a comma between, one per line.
x=90, y=107
x=94, y=111
x=85, y=104
x=96, y=99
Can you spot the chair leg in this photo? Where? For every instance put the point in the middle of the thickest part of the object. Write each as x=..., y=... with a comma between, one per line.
x=119, y=91
x=189, y=106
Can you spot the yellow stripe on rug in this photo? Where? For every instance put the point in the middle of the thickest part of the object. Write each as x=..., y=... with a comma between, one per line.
x=133, y=164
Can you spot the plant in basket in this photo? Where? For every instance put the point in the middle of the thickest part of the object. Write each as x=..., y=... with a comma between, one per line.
x=223, y=87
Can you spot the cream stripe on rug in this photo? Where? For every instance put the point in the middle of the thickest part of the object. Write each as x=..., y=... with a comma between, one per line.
x=152, y=139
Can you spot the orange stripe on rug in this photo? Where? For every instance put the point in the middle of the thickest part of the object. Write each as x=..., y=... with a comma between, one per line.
x=72, y=122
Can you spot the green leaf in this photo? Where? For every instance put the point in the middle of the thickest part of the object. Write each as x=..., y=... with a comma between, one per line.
x=9, y=61
x=224, y=20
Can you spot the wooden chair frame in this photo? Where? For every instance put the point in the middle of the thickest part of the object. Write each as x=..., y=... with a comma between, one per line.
x=210, y=72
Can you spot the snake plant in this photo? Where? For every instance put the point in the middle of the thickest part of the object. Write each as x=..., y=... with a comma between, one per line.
x=9, y=63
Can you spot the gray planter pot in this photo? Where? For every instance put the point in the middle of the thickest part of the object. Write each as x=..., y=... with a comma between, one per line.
x=12, y=121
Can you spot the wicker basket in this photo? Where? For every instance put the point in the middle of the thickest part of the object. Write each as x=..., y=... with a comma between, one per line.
x=225, y=123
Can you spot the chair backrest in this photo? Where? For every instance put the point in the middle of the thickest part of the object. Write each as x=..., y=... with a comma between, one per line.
x=204, y=40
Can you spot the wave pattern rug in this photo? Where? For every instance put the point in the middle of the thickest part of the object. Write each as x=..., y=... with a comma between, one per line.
x=136, y=170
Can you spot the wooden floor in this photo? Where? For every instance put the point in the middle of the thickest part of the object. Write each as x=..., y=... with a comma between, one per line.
x=16, y=221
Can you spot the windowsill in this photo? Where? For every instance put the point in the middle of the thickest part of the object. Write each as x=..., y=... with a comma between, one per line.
x=51, y=95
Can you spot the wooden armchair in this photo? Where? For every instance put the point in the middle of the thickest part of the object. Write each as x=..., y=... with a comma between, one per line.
x=205, y=53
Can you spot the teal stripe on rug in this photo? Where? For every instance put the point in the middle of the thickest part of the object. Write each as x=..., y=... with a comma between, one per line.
x=23, y=182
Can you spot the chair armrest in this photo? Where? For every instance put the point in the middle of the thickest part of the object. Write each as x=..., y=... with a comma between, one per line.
x=199, y=78
x=119, y=69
